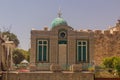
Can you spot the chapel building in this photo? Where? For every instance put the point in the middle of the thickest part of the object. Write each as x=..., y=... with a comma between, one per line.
x=62, y=45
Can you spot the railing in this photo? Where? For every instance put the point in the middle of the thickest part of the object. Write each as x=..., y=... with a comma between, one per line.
x=64, y=67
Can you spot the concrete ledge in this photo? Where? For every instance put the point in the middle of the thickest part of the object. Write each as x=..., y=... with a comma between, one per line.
x=49, y=75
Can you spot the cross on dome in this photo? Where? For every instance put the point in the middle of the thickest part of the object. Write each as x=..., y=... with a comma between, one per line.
x=59, y=13
x=59, y=21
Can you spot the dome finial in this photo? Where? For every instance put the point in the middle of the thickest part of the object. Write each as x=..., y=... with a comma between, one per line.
x=59, y=13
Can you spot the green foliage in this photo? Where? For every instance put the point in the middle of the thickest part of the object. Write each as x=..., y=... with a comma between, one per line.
x=25, y=54
x=12, y=37
x=108, y=62
x=112, y=63
x=19, y=55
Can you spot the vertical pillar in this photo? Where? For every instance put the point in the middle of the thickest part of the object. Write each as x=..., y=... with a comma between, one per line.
x=11, y=58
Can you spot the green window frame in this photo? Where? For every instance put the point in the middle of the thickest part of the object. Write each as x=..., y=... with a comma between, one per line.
x=82, y=51
x=42, y=50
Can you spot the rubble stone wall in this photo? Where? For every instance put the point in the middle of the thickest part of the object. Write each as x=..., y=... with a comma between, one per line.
x=106, y=45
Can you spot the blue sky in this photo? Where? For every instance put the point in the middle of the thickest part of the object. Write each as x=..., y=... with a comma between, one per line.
x=23, y=15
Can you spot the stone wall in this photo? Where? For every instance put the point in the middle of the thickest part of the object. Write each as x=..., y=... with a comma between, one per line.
x=48, y=75
x=107, y=43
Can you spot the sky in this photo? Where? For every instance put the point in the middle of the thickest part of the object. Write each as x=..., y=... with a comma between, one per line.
x=20, y=16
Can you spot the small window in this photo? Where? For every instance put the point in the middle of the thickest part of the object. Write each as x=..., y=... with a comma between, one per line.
x=62, y=34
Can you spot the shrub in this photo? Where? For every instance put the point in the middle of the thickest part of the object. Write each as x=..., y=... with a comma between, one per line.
x=112, y=63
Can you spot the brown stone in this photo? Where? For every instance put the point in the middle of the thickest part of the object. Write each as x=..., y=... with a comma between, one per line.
x=55, y=68
x=76, y=67
x=32, y=67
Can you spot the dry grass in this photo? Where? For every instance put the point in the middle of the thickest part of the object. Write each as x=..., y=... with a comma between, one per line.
x=105, y=74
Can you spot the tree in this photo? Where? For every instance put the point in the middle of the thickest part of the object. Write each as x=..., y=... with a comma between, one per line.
x=28, y=52
x=19, y=55
x=12, y=37
x=25, y=54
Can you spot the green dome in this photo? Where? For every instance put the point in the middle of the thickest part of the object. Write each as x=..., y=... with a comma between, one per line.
x=58, y=22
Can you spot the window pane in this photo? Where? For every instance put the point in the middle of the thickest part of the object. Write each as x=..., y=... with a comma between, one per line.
x=44, y=42
x=40, y=53
x=44, y=53
x=40, y=42
x=84, y=53
x=79, y=43
x=84, y=43
x=79, y=53
x=62, y=42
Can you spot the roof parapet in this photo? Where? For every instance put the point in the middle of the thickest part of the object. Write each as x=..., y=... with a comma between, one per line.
x=98, y=31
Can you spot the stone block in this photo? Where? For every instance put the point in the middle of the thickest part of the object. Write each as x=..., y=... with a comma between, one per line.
x=32, y=67
x=55, y=68
x=76, y=68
